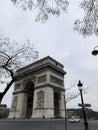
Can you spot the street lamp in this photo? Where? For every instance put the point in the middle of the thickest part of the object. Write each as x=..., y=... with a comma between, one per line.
x=83, y=106
x=95, y=51
x=65, y=112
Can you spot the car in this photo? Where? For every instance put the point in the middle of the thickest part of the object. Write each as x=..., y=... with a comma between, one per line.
x=74, y=119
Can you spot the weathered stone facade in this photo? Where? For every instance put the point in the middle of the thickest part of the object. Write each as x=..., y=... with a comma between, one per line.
x=39, y=90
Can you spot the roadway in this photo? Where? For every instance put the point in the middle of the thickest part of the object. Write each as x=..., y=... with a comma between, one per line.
x=45, y=125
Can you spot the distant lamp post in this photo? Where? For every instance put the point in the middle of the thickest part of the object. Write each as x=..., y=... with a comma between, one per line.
x=65, y=112
x=95, y=51
x=83, y=106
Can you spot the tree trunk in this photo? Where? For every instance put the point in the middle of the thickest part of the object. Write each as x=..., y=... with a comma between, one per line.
x=2, y=94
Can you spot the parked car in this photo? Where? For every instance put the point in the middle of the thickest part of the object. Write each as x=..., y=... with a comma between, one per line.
x=74, y=119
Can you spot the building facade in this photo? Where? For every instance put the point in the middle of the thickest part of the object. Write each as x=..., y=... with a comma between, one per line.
x=39, y=91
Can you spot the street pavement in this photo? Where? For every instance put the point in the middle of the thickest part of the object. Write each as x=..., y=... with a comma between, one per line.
x=45, y=125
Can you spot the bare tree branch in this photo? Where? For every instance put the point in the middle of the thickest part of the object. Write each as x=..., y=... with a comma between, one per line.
x=12, y=57
x=89, y=25
x=71, y=94
x=45, y=8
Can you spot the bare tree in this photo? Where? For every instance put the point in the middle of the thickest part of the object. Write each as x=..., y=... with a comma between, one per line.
x=71, y=94
x=89, y=24
x=44, y=8
x=12, y=57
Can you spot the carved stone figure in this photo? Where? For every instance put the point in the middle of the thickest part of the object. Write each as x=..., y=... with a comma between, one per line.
x=40, y=99
x=14, y=105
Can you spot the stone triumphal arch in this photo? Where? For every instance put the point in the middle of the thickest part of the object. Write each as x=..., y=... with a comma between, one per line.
x=39, y=90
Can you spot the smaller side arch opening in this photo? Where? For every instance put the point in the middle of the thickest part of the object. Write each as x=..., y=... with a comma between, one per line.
x=56, y=104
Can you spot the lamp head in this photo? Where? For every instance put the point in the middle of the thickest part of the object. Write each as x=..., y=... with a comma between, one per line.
x=80, y=85
x=95, y=52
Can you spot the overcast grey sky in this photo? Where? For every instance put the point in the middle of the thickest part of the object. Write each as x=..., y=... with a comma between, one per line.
x=57, y=39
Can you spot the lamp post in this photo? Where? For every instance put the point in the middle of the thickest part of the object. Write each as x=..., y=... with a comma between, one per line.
x=83, y=106
x=65, y=112
x=95, y=51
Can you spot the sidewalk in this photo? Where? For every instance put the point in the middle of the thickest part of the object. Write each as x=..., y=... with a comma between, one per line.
x=35, y=119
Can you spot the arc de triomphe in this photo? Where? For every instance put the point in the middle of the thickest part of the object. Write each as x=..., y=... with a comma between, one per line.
x=39, y=90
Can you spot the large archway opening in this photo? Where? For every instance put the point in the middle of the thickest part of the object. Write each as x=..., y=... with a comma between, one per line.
x=56, y=104
x=29, y=89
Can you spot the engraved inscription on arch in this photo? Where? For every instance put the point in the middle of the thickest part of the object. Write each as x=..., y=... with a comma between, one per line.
x=42, y=78
x=40, y=99
x=56, y=80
